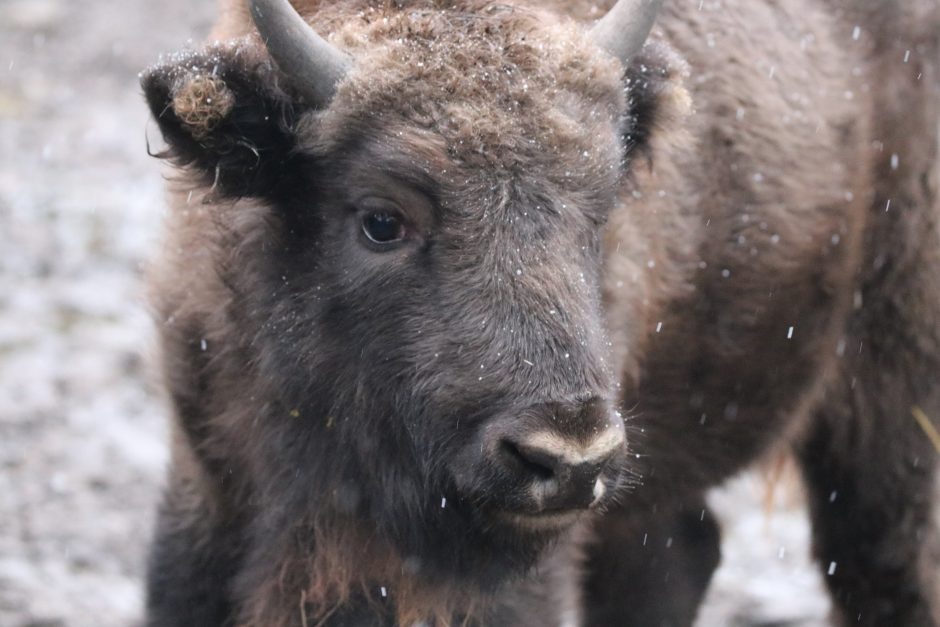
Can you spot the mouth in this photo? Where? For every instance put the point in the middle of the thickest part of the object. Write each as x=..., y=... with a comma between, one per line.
x=542, y=521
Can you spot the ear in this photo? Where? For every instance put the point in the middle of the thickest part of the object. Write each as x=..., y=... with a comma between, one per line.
x=658, y=101
x=223, y=115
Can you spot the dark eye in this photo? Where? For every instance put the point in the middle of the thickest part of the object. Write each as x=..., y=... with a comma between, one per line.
x=383, y=227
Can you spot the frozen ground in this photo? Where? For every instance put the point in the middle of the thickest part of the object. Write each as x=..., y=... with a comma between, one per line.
x=81, y=426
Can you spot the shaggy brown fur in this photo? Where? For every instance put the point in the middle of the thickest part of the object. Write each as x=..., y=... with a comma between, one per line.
x=202, y=103
x=754, y=287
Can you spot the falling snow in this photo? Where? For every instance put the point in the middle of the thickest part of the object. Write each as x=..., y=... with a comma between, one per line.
x=82, y=429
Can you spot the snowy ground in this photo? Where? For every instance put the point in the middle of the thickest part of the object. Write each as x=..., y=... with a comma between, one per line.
x=81, y=425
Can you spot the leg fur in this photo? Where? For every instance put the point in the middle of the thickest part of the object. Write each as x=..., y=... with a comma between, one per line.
x=191, y=562
x=653, y=571
x=870, y=471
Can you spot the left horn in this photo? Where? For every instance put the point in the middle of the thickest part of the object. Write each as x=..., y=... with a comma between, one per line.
x=313, y=64
x=623, y=31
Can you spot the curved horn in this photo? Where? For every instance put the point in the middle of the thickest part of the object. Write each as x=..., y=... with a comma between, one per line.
x=623, y=31
x=313, y=64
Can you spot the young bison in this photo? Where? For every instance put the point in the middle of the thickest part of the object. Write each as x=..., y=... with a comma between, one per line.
x=419, y=277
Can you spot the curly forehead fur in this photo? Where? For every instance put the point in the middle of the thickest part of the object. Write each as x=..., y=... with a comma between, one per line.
x=499, y=83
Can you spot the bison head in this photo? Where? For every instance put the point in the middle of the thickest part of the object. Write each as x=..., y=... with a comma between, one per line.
x=399, y=245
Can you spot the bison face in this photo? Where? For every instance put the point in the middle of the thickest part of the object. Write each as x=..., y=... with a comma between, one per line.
x=412, y=274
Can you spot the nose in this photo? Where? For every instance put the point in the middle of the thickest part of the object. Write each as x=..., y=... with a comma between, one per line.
x=563, y=469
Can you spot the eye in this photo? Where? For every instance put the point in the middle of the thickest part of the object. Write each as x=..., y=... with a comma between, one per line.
x=383, y=227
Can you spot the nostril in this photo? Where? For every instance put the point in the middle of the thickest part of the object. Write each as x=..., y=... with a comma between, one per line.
x=537, y=463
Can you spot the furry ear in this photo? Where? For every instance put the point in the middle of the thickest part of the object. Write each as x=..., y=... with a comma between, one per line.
x=223, y=115
x=658, y=100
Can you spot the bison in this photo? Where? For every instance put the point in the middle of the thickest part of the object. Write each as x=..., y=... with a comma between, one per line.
x=462, y=301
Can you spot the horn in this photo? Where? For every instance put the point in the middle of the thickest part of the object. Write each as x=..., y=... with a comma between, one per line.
x=623, y=31
x=313, y=64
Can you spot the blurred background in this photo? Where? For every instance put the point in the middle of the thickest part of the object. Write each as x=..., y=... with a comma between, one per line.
x=82, y=419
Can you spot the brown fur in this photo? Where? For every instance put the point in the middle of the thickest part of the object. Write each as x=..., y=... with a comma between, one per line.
x=788, y=169
x=755, y=290
x=202, y=103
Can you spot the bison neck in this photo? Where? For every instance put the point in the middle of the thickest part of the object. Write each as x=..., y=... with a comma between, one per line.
x=342, y=573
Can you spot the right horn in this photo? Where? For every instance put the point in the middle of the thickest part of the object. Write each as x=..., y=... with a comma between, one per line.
x=623, y=31
x=313, y=64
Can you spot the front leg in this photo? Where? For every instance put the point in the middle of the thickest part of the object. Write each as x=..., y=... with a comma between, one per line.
x=870, y=473
x=651, y=570
x=192, y=562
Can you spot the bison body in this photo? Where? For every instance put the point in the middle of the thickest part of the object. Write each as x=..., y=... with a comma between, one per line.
x=406, y=328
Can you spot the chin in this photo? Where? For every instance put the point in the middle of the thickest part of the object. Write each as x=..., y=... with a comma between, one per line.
x=485, y=549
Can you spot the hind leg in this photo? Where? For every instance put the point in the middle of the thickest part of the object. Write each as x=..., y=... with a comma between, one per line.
x=650, y=571
x=870, y=472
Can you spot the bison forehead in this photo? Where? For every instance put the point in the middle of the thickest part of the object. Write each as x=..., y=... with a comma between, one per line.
x=502, y=85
